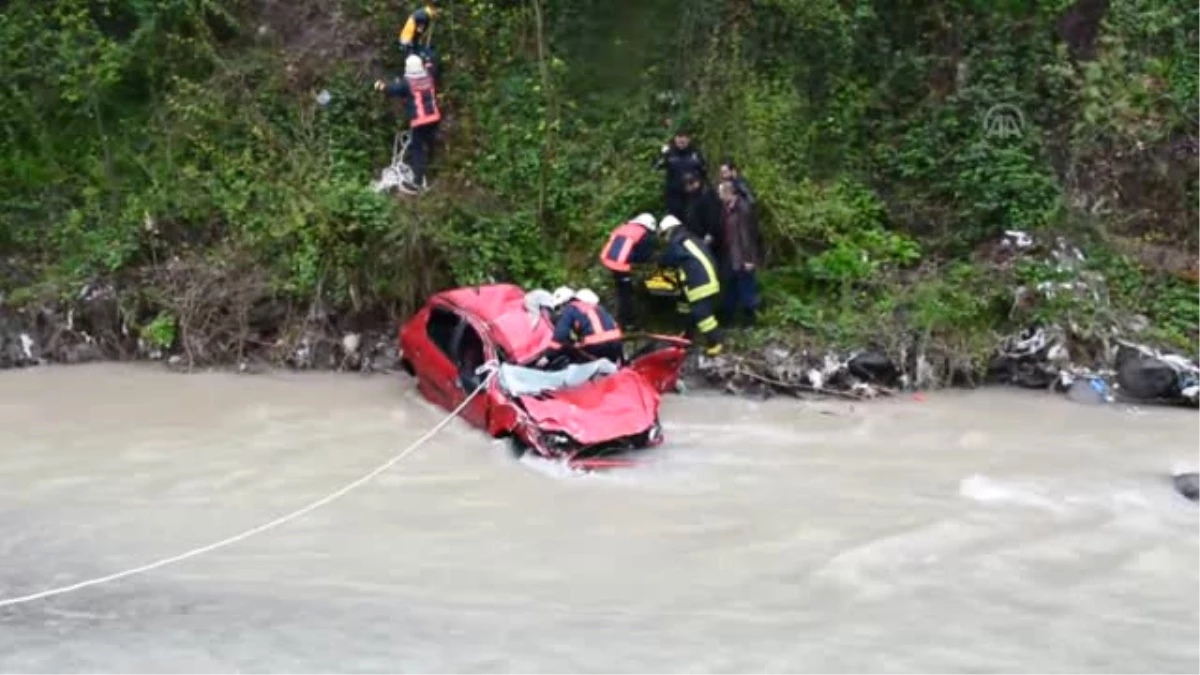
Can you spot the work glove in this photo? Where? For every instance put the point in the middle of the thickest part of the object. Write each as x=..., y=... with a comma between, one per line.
x=380, y=85
x=543, y=362
x=666, y=149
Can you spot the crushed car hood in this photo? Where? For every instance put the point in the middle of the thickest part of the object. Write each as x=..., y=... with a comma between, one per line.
x=612, y=407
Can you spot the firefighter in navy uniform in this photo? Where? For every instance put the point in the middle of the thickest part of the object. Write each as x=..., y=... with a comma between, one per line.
x=631, y=243
x=421, y=102
x=585, y=325
x=697, y=270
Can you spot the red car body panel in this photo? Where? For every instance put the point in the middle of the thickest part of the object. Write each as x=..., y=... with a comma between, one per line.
x=501, y=309
x=607, y=409
x=620, y=405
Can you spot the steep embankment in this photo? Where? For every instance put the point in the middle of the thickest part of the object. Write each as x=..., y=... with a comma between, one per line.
x=179, y=191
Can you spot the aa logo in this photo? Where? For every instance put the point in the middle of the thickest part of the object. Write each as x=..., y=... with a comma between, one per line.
x=1003, y=121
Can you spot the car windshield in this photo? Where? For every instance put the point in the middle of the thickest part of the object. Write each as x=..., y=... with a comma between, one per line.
x=521, y=381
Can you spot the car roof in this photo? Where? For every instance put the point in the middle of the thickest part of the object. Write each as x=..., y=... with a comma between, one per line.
x=501, y=309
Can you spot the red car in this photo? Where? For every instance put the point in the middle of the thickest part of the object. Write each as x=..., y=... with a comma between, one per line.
x=579, y=414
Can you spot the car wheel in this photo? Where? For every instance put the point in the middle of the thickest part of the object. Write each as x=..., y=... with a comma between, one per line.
x=517, y=446
x=407, y=367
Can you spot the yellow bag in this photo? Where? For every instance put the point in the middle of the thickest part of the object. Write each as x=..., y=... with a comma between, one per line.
x=663, y=283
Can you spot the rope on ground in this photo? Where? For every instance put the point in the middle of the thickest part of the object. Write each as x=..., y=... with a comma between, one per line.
x=228, y=541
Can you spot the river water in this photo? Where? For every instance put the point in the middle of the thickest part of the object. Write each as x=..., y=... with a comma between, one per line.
x=993, y=530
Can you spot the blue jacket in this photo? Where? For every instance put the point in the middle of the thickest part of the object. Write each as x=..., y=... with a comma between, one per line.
x=574, y=326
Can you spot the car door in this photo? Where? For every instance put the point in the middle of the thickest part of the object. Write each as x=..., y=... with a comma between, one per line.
x=470, y=351
x=437, y=374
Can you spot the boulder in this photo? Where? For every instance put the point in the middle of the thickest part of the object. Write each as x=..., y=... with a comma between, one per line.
x=1148, y=378
x=1188, y=485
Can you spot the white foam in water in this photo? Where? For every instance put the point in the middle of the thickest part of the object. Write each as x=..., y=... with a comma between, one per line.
x=991, y=491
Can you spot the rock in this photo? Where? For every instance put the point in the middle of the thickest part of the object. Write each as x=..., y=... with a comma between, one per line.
x=351, y=342
x=84, y=352
x=1147, y=378
x=1188, y=485
x=175, y=361
x=873, y=366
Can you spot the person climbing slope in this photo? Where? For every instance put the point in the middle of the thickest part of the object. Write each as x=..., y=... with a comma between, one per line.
x=631, y=243
x=417, y=31
x=584, y=326
x=421, y=103
x=697, y=270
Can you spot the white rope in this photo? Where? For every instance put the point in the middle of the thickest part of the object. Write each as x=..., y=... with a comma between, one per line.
x=396, y=174
x=490, y=368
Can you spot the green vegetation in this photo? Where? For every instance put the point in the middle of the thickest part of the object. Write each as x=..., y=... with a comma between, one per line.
x=146, y=140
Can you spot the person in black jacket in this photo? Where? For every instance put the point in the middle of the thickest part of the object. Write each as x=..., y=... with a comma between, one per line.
x=679, y=157
x=702, y=210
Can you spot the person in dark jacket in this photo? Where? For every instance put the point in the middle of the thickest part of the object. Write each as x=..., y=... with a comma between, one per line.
x=740, y=255
x=702, y=209
x=421, y=103
x=679, y=157
x=731, y=172
x=697, y=270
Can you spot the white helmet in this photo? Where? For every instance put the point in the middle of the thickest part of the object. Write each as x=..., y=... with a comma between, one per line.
x=561, y=295
x=586, y=295
x=667, y=223
x=645, y=220
x=414, y=66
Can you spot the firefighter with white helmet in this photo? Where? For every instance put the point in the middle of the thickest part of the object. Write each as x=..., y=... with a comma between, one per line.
x=631, y=243
x=697, y=270
x=585, y=327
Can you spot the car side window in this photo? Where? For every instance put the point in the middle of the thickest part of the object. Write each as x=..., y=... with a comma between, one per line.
x=440, y=328
x=469, y=355
x=470, y=348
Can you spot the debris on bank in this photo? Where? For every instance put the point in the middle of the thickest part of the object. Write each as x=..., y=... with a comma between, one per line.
x=775, y=370
x=227, y=317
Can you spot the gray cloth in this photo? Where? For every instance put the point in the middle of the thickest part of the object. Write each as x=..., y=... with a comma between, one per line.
x=521, y=381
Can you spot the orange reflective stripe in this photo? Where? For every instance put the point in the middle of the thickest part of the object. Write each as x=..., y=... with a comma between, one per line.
x=599, y=335
x=425, y=105
x=632, y=233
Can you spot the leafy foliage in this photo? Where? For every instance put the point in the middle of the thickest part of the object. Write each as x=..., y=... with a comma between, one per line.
x=139, y=130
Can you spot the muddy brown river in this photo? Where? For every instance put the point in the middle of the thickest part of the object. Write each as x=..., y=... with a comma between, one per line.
x=994, y=530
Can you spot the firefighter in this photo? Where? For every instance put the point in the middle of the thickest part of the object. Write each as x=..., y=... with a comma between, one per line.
x=421, y=102
x=584, y=326
x=418, y=29
x=697, y=269
x=631, y=243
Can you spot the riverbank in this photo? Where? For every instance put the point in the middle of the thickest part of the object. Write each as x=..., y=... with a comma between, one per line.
x=95, y=327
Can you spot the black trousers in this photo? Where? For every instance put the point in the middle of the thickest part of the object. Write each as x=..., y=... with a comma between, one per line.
x=676, y=202
x=624, y=284
x=613, y=351
x=420, y=150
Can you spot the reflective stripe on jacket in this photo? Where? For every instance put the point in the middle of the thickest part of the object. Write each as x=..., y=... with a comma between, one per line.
x=696, y=265
x=617, y=254
x=584, y=325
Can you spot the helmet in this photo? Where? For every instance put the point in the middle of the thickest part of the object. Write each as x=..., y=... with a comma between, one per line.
x=667, y=223
x=414, y=66
x=586, y=295
x=561, y=295
x=646, y=220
